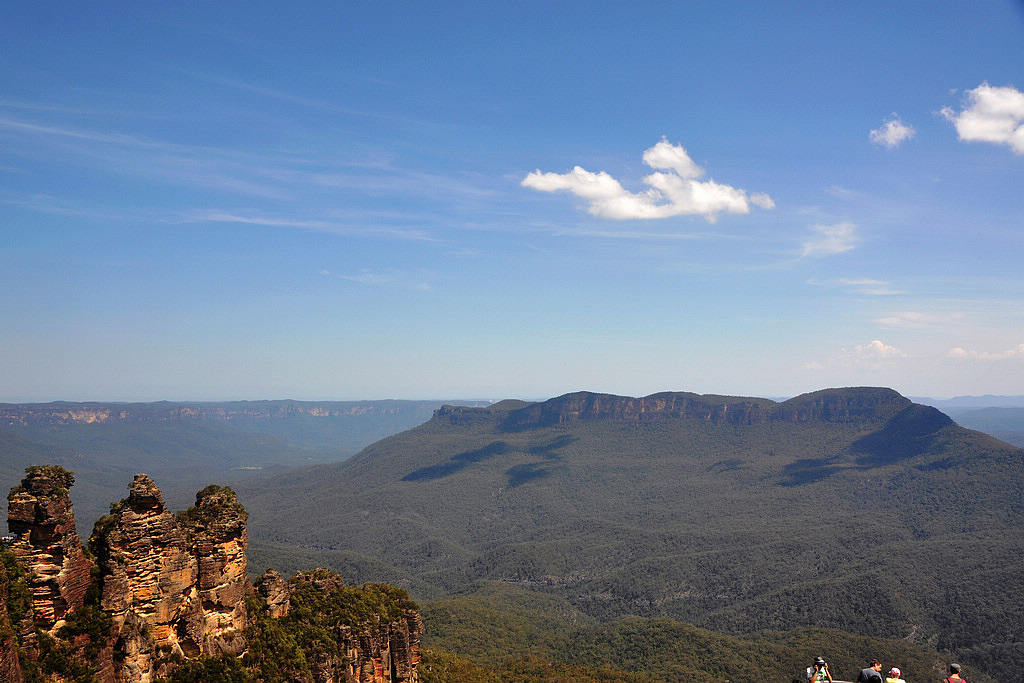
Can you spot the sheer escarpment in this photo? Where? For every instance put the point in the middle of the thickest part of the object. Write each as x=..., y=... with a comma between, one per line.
x=825, y=406
x=151, y=582
x=40, y=515
x=170, y=592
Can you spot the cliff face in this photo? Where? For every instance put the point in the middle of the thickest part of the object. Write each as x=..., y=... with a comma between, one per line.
x=218, y=539
x=358, y=645
x=48, y=546
x=174, y=589
x=663, y=406
x=842, y=405
x=838, y=405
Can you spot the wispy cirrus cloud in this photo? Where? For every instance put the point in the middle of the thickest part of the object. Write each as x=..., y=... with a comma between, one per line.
x=867, y=286
x=917, y=320
x=991, y=114
x=143, y=156
x=389, y=278
x=310, y=177
x=892, y=132
x=827, y=240
x=315, y=225
x=676, y=189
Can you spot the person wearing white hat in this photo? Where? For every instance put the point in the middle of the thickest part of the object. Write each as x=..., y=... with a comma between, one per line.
x=894, y=676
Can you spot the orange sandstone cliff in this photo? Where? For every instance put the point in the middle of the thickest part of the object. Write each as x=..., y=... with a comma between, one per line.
x=163, y=590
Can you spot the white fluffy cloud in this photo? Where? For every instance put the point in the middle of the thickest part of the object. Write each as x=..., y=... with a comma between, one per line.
x=831, y=239
x=993, y=115
x=877, y=350
x=873, y=356
x=675, y=189
x=892, y=132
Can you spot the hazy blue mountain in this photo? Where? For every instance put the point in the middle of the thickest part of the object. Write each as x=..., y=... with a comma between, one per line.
x=185, y=446
x=854, y=509
x=963, y=402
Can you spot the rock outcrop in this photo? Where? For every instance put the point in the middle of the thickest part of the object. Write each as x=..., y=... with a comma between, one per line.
x=47, y=545
x=174, y=588
x=654, y=408
x=167, y=589
x=274, y=590
x=829, y=405
x=218, y=539
x=354, y=649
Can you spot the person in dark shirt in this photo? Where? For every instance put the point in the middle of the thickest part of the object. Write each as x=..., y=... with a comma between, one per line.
x=872, y=674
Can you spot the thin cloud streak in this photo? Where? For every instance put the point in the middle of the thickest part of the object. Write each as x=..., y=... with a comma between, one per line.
x=916, y=320
x=312, y=225
x=872, y=287
x=310, y=102
x=272, y=177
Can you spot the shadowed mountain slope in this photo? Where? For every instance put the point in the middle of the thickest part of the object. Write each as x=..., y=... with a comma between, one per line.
x=853, y=509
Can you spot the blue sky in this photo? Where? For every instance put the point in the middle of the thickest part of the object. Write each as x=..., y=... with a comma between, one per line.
x=204, y=201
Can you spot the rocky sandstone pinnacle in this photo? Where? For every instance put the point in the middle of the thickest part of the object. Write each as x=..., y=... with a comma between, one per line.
x=272, y=587
x=218, y=539
x=148, y=578
x=173, y=587
x=47, y=545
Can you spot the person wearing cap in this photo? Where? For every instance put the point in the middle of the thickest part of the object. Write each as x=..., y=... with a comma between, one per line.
x=820, y=672
x=954, y=674
x=894, y=676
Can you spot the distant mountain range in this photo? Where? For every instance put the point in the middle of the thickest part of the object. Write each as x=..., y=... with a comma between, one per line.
x=188, y=445
x=851, y=509
x=1000, y=416
x=987, y=401
x=854, y=509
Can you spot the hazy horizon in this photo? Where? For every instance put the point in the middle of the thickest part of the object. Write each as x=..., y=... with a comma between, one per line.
x=410, y=200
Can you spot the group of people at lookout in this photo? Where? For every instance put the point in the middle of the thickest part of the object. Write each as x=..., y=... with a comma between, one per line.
x=819, y=673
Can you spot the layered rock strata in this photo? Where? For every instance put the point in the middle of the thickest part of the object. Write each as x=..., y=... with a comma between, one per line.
x=274, y=590
x=174, y=588
x=848, y=405
x=218, y=539
x=47, y=544
x=384, y=652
